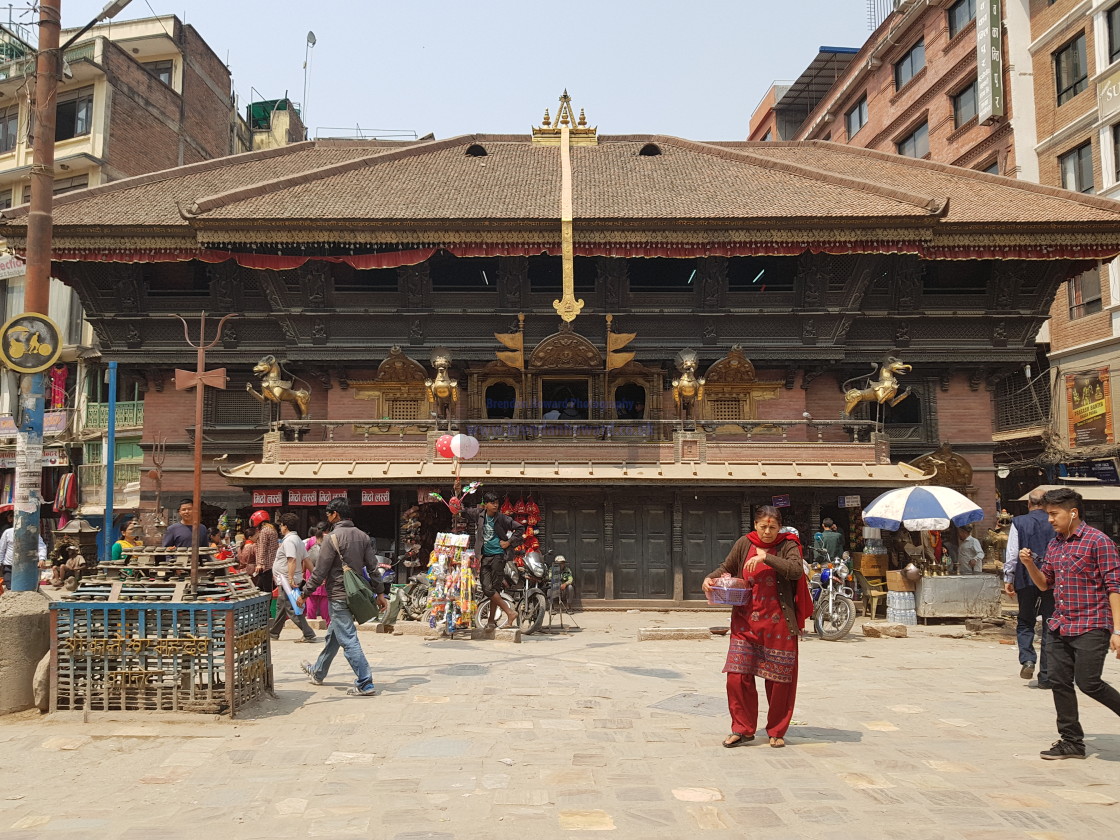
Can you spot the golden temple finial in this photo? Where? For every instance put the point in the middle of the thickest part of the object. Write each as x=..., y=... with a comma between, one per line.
x=580, y=134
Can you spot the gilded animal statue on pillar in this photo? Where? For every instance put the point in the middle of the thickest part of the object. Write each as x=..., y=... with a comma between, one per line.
x=688, y=388
x=443, y=391
x=883, y=390
x=277, y=390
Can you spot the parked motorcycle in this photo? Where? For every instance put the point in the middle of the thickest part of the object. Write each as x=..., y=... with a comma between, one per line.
x=525, y=583
x=834, y=610
x=414, y=593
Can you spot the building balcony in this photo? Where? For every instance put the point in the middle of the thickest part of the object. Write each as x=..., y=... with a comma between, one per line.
x=91, y=480
x=129, y=414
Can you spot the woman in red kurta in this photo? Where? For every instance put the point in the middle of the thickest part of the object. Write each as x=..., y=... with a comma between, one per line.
x=765, y=630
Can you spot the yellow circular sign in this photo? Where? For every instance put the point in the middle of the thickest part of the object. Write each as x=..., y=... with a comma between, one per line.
x=30, y=343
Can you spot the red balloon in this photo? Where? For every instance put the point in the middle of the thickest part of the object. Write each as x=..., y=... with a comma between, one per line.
x=443, y=447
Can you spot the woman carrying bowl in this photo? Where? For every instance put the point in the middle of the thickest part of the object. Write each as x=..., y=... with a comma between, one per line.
x=764, y=631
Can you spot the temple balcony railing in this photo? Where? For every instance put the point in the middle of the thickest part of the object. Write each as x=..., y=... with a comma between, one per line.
x=583, y=441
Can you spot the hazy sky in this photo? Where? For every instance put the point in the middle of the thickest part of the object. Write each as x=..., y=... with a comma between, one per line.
x=693, y=68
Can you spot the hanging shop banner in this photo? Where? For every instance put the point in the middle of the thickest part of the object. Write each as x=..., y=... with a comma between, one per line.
x=11, y=266
x=51, y=458
x=989, y=60
x=780, y=501
x=375, y=496
x=268, y=498
x=1088, y=404
x=325, y=496
x=54, y=423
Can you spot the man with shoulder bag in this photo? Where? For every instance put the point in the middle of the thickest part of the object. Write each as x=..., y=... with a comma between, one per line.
x=344, y=548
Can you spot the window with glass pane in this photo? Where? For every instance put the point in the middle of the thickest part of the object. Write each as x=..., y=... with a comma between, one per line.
x=992, y=168
x=917, y=144
x=9, y=128
x=162, y=70
x=964, y=105
x=910, y=64
x=1085, y=294
x=1112, y=17
x=1077, y=169
x=857, y=117
x=75, y=114
x=961, y=14
x=1071, y=73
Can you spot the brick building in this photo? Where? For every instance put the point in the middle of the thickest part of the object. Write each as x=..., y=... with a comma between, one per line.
x=783, y=270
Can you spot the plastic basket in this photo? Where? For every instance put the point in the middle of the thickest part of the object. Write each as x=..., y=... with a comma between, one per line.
x=729, y=592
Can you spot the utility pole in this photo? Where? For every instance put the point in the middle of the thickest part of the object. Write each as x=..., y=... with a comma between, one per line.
x=37, y=287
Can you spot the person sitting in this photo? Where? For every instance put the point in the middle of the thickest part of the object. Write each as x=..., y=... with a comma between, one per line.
x=562, y=586
x=970, y=556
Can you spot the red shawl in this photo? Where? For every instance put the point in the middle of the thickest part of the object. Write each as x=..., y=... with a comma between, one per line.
x=802, y=600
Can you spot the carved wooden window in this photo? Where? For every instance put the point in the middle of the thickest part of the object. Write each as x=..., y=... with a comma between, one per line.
x=402, y=409
x=726, y=410
x=234, y=407
x=500, y=401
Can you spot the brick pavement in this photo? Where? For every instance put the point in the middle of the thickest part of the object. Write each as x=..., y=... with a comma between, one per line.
x=922, y=738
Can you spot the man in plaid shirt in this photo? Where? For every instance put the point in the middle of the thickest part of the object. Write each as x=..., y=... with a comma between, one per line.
x=1083, y=568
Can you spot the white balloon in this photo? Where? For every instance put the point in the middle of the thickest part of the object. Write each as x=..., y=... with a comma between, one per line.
x=464, y=446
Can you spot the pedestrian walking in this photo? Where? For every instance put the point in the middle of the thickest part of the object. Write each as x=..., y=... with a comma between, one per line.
x=318, y=605
x=764, y=631
x=287, y=573
x=1082, y=567
x=1031, y=530
x=345, y=545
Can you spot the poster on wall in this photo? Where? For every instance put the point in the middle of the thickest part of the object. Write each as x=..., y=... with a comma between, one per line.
x=1088, y=405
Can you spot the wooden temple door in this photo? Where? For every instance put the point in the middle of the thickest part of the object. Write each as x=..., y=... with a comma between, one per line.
x=709, y=528
x=643, y=536
x=575, y=529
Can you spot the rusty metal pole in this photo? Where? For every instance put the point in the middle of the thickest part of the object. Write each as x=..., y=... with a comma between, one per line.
x=39, y=222
x=197, y=499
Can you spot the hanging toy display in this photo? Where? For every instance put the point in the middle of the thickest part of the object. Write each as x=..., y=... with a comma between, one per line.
x=455, y=503
x=528, y=513
x=451, y=582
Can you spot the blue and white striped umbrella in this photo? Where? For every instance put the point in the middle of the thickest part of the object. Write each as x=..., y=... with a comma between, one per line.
x=921, y=509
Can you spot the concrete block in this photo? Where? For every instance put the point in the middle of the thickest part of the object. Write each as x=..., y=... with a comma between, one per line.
x=24, y=639
x=660, y=634
x=503, y=634
x=878, y=629
x=41, y=683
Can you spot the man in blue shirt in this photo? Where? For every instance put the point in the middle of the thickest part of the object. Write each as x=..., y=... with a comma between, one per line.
x=495, y=534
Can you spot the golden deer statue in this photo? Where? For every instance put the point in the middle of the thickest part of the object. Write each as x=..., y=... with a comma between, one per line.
x=443, y=391
x=688, y=388
x=277, y=390
x=883, y=390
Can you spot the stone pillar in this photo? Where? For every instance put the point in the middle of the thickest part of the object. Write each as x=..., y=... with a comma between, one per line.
x=24, y=639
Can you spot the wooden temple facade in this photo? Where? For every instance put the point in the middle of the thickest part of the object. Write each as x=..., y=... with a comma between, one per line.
x=650, y=336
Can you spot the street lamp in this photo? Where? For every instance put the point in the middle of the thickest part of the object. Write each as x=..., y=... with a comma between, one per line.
x=29, y=461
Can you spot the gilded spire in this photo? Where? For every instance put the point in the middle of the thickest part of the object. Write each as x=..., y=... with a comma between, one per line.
x=548, y=132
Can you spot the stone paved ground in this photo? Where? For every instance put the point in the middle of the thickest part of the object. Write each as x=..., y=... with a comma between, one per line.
x=925, y=737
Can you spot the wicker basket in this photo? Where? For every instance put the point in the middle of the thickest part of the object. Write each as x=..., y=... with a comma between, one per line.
x=729, y=592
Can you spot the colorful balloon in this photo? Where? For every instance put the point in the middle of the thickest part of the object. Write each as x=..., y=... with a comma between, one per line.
x=443, y=446
x=464, y=446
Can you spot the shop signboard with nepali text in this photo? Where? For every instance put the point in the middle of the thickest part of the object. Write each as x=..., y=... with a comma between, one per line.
x=989, y=60
x=314, y=496
x=375, y=496
x=268, y=498
x=1089, y=406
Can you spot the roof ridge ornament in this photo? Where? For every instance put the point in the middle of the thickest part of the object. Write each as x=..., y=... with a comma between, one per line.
x=580, y=134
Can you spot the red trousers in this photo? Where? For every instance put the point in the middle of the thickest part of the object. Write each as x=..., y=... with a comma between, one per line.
x=742, y=701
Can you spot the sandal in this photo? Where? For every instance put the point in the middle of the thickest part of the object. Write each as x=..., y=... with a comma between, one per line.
x=777, y=742
x=737, y=739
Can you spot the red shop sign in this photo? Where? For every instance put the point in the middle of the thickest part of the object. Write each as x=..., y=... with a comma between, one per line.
x=326, y=495
x=304, y=498
x=375, y=496
x=268, y=498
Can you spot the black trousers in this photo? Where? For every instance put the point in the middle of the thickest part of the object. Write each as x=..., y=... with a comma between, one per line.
x=1079, y=660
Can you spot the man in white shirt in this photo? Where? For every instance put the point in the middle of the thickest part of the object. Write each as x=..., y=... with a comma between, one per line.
x=7, y=552
x=970, y=555
x=287, y=572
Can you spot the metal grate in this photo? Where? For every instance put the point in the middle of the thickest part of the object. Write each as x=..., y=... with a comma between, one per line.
x=1019, y=405
x=235, y=407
